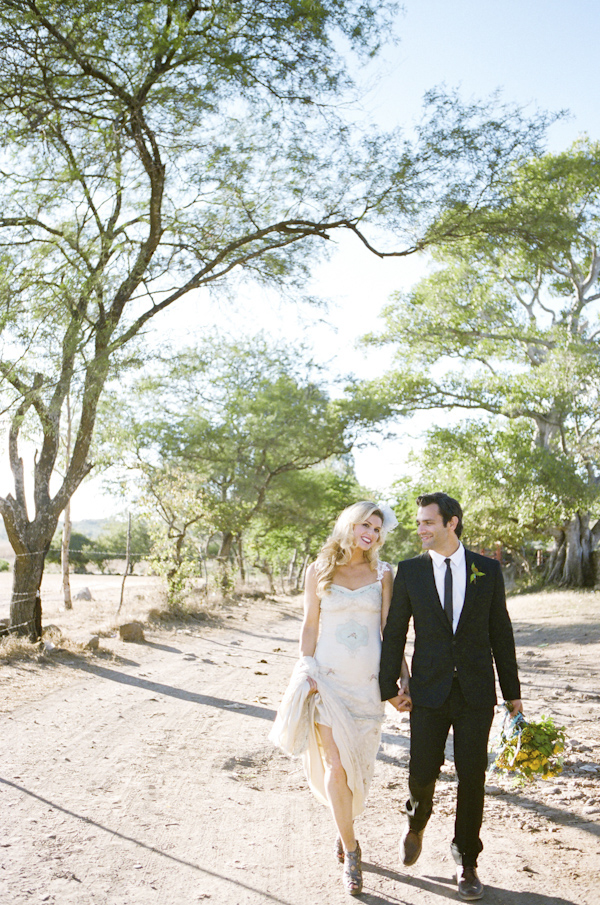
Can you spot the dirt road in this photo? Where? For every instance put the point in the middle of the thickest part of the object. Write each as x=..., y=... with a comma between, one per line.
x=143, y=774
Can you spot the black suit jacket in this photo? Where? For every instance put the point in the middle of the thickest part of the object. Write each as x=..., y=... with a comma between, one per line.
x=484, y=635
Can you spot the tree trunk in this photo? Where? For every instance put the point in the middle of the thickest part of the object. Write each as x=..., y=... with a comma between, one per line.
x=224, y=579
x=31, y=539
x=557, y=557
x=175, y=581
x=578, y=572
x=26, y=604
x=571, y=564
x=226, y=545
x=292, y=569
x=126, y=569
x=66, y=535
x=241, y=562
x=263, y=566
x=31, y=542
x=64, y=558
x=302, y=572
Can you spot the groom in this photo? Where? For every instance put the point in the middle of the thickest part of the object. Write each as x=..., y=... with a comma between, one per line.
x=457, y=603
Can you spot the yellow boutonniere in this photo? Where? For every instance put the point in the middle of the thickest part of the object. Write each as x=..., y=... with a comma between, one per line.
x=475, y=573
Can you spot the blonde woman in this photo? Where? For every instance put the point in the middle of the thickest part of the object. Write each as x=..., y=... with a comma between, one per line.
x=331, y=713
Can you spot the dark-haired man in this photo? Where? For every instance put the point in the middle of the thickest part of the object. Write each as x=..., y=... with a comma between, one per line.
x=457, y=602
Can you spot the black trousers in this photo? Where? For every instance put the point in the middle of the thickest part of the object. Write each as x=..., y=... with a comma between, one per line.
x=429, y=728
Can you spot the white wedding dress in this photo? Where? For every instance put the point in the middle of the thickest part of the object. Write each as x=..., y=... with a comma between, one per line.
x=346, y=668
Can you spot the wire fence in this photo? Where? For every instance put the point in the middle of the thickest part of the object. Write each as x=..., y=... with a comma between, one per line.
x=25, y=597
x=10, y=629
x=101, y=554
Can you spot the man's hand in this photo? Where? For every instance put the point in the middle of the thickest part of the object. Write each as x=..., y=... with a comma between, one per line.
x=515, y=707
x=402, y=702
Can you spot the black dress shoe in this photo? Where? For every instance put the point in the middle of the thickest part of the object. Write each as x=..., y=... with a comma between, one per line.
x=470, y=886
x=411, y=844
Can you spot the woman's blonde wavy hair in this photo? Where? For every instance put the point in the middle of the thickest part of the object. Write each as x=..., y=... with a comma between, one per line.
x=338, y=548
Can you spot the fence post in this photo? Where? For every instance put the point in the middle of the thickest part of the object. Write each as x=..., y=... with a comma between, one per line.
x=126, y=561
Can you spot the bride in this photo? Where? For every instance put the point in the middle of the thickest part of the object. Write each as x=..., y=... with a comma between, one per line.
x=331, y=713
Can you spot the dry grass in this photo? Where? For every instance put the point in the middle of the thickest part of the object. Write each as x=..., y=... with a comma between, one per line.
x=53, y=643
x=192, y=609
x=106, y=631
x=145, y=602
x=14, y=647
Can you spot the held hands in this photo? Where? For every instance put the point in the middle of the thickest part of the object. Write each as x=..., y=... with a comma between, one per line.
x=402, y=701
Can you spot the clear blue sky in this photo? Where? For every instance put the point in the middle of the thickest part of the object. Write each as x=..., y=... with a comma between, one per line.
x=541, y=53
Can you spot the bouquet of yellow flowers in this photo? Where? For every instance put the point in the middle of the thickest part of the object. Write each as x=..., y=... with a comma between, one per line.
x=529, y=749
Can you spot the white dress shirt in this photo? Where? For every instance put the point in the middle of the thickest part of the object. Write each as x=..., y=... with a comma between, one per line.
x=458, y=566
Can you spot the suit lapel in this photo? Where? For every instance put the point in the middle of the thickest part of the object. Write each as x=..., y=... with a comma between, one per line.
x=430, y=590
x=470, y=589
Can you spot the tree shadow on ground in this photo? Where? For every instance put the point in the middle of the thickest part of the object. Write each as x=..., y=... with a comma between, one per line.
x=529, y=634
x=144, y=845
x=183, y=694
x=268, y=636
x=165, y=647
x=42, y=660
x=553, y=814
x=252, y=650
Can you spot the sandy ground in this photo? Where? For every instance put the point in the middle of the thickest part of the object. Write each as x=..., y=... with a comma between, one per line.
x=142, y=774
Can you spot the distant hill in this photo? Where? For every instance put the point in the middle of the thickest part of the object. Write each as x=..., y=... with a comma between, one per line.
x=91, y=527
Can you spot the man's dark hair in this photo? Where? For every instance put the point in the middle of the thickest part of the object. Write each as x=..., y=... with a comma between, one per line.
x=448, y=507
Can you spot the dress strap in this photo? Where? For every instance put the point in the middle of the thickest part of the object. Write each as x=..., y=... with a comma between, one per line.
x=382, y=568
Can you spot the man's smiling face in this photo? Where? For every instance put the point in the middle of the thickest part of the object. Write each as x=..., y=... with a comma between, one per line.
x=433, y=534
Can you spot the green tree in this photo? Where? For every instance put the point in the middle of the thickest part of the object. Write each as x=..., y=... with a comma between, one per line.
x=111, y=544
x=157, y=147
x=508, y=324
x=402, y=542
x=511, y=489
x=80, y=550
x=216, y=435
x=177, y=505
x=297, y=517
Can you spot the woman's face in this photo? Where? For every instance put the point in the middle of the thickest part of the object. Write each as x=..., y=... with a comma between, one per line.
x=367, y=532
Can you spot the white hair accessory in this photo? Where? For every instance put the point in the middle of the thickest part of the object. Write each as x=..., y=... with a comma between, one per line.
x=389, y=517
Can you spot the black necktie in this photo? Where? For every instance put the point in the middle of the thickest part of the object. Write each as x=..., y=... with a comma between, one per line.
x=448, y=592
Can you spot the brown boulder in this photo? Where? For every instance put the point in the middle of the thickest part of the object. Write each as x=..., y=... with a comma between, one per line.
x=132, y=631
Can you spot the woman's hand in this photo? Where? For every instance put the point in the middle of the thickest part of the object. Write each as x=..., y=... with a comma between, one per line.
x=405, y=701
x=312, y=684
x=402, y=702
